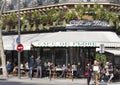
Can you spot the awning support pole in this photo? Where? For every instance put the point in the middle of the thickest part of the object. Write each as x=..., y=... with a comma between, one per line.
x=66, y=57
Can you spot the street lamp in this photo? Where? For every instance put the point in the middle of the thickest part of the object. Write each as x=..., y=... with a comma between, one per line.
x=18, y=1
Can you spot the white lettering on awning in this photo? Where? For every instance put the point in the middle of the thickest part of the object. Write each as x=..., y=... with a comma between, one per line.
x=66, y=44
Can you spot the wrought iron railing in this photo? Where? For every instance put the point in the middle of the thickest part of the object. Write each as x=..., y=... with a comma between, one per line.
x=35, y=3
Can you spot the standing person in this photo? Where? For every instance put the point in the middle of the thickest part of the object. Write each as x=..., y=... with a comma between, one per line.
x=109, y=71
x=31, y=65
x=78, y=72
x=96, y=70
x=88, y=69
x=39, y=67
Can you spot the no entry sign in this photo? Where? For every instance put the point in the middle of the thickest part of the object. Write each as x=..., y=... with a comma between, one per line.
x=20, y=47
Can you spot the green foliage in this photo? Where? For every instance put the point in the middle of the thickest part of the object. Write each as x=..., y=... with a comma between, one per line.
x=61, y=17
x=43, y=19
x=12, y=19
x=35, y=18
x=69, y=16
x=101, y=57
x=40, y=27
x=80, y=10
x=28, y=27
x=22, y=27
x=34, y=27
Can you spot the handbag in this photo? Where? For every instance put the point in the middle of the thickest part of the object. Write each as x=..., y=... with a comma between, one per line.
x=86, y=74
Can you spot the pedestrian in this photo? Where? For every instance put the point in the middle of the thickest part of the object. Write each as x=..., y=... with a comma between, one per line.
x=8, y=67
x=31, y=66
x=109, y=71
x=102, y=72
x=96, y=70
x=39, y=67
x=78, y=73
x=88, y=71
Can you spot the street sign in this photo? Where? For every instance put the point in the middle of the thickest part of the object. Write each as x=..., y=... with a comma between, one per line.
x=20, y=47
x=17, y=40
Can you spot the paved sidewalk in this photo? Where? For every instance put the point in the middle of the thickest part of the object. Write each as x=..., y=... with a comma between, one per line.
x=47, y=81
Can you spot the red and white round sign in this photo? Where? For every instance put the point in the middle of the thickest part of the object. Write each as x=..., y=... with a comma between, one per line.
x=20, y=47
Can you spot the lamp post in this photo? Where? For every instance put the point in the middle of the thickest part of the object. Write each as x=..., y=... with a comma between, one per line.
x=18, y=1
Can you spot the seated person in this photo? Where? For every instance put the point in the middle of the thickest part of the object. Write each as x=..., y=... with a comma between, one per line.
x=64, y=70
x=8, y=67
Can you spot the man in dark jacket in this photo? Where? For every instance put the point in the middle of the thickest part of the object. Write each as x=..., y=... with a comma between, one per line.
x=31, y=66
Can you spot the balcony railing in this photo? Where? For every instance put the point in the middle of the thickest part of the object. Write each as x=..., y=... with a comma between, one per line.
x=35, y=3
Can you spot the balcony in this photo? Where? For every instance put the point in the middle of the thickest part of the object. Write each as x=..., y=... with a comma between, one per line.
x=37, y=3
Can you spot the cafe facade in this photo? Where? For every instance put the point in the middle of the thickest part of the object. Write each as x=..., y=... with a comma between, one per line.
x=63, y=47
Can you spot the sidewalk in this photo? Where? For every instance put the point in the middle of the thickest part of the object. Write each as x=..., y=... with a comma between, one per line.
x=47, y=81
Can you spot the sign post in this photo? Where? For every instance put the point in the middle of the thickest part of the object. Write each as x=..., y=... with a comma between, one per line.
x=102, y=49
x=19, y=38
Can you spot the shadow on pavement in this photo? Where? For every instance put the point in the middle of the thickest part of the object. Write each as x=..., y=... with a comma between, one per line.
x=5, y=82
x=101, y=84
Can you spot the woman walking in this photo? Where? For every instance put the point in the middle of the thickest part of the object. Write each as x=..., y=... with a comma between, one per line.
x=88, y=73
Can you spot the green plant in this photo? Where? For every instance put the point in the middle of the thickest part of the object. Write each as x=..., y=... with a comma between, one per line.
x=80, y=10
x=70, y=15
x=100, y=57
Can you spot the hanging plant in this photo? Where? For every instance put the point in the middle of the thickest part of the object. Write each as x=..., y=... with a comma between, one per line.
x=28, y=27
x=80, y=10
x=64, y=23
x=11, y=20
x=70, y=15
x=40, y=26
x=61, y=14
x=7, y=28
x=43, y=19
x=23, y=19
x=23, y=27
x=34, y=27
x=16, y=28
x=47, y=27
x=36, y=19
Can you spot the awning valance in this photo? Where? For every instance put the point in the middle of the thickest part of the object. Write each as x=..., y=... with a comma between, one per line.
x=79, y=39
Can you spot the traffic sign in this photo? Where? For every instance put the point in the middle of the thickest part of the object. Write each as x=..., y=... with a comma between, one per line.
x=20, y=47
x=17, y=40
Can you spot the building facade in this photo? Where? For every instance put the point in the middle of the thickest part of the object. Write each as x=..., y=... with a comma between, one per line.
x=62, y=49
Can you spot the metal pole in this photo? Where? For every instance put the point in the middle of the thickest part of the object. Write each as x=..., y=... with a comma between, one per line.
x=19, y=38
x=66, y=57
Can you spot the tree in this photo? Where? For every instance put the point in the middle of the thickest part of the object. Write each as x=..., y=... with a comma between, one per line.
x=3, y=58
